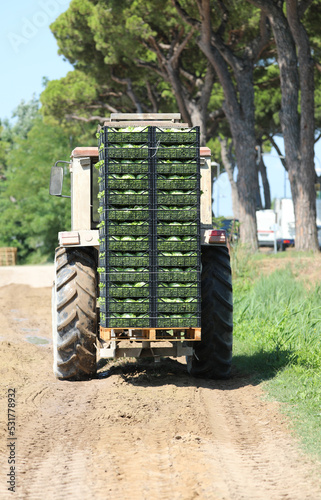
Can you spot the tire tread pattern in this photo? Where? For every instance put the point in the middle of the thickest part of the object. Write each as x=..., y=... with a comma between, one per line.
x=75, y=309
x=212, y=356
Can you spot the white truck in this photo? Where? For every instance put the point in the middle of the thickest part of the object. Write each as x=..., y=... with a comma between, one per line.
x=285, y=220
x=265, y=220
x=318, y=203
x=279, y=224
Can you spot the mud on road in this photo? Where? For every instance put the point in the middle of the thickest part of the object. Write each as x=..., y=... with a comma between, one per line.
x=138, y=431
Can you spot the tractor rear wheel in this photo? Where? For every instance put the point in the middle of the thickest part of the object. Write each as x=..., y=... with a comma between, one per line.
x=212, y=357
x=74, y=313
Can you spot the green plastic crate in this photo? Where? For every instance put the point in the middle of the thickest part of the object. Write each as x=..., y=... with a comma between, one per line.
x=128, y=199
x=136, y=185
x=117, y=137
x=128, y=322
x=122, y=214
x=179, y=308
x=120, y=261
x=128, y=215
x=177, y=153
x=192, y=321
x=179, y=168
x=132, y=167
x=176, y=230
x=126, y=276
x=180, y=214
x=141, y=261
x=177, y=246
x=177, y=292
x=174, y=184
x=177, y=199
x=128, y=230
x=123, y=184
x=184, y=137
x=127, y=292
x=128, y=307
x=128, y=246
x=177, y=276
x=177, y=261
x=143, y=153
x=126, y=153
x=168, y=137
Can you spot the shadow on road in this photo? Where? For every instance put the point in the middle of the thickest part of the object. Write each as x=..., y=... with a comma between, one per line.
x=168, y=371
x=246, y=370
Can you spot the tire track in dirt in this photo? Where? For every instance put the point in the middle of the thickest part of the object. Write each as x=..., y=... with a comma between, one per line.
x=133, y=448
x=54, y=444
x=258, y=457
x=151, y=455
x=140, y=431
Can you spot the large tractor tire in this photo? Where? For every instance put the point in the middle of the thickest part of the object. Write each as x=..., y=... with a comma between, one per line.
x=74, y=314
x=212, y=356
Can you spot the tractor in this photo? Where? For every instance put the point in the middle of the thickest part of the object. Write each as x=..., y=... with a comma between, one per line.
x=165, y=293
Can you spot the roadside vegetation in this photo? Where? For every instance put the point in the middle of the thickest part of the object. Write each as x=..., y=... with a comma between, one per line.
x=30, y=218
x=277, y=325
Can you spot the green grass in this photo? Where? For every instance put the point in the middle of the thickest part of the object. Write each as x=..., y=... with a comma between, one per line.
x=277, y=340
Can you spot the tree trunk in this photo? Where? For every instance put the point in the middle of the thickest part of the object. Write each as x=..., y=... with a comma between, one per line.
x=240, y=115
x=305, y=196
x=266, y=185
x=246, y=185
x=259, y=204
x=198, y=119
x=241, y=120
x=296, y=75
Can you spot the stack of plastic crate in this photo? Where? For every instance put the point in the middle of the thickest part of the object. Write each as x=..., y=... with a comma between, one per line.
x=150, y=228
x=178, y=229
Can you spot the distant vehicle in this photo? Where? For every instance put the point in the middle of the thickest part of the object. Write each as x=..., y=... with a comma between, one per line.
x=285, y=235
x=282, y=221
x=232, y=228
x=319, y=220
x=265, y=220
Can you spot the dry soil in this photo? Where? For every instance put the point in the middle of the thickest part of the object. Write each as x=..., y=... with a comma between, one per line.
x=137, y=431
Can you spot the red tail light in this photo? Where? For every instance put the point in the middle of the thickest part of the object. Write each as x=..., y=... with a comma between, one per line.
x=217, y=236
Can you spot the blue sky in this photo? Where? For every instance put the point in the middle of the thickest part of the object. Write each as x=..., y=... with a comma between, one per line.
x=277, y=176
x=278, y=179
x=28, y=52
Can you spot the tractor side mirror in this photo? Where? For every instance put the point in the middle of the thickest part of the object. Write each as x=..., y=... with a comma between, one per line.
x=56, y=179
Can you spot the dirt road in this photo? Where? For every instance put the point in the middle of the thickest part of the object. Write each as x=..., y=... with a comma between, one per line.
x=138, y=431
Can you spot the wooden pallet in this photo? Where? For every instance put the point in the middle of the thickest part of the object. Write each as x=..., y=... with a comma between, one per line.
x=8, y=256
x=151, y=334
x=166, y=120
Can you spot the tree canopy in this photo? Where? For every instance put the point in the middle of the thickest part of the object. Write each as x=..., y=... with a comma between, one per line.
x=142, y=57
x=30, y=218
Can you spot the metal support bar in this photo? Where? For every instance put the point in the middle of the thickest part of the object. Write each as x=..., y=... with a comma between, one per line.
x=116, y=350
